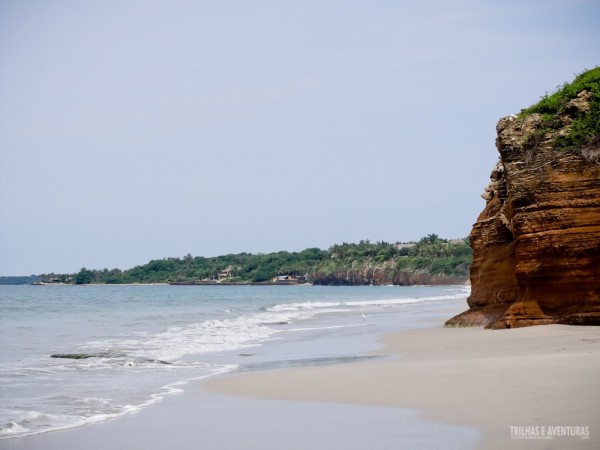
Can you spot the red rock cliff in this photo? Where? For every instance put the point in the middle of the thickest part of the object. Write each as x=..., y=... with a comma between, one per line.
x=536, y=244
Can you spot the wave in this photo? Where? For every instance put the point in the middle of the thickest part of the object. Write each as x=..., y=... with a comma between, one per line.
x=338, y=305
x=131, y=366
x=84, y=410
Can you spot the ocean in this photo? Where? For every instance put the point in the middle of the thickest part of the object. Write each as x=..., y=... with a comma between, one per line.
x=73, y=355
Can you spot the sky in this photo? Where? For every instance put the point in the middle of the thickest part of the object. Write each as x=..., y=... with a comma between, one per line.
x=134, y=130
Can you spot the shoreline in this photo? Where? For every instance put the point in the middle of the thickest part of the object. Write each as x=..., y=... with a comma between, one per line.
x=241, y=283
x=536, y=379
x=198, y=417
x=431, y=387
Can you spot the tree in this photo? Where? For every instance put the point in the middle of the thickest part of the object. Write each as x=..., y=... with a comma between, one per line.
x=84, y=276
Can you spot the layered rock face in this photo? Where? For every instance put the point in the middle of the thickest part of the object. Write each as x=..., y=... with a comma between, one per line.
x=380, y=277
x=536, y=244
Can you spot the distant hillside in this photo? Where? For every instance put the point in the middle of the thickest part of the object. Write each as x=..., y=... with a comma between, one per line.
x=431, y=260
x=19, y=280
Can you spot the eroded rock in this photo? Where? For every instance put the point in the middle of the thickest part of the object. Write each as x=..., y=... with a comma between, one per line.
x=536, y=244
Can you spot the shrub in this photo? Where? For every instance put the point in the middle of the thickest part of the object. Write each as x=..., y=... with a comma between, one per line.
x=585, y=128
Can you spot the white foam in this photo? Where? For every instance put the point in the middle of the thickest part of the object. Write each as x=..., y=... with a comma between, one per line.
x=303, y=306
x=403, y=301
x=85, y=410
x=320, y=307
x=12, y=429
x=212, y=335
x=137, y=366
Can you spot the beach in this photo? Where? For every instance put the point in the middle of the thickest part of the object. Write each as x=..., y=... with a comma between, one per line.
x=541, y=381
x=481, y=383
x=393, y=379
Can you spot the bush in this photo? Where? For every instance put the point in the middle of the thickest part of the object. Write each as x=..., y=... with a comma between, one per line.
x=584, y=128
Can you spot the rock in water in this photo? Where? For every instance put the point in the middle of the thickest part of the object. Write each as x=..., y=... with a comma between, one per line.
x=536, y=244
x=73, y=355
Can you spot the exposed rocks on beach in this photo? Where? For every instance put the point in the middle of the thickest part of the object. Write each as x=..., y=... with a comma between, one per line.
x=536, y=244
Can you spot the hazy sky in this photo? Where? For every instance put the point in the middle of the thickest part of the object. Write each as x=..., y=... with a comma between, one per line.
x=133, y=130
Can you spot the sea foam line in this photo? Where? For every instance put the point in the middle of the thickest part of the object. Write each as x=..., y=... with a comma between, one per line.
x=308, y=306
x=18, y=428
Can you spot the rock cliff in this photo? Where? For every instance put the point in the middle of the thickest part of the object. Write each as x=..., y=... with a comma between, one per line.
x=383, y=277
x=536, y=244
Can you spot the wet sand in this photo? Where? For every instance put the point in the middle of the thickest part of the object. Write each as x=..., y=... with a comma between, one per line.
x=538, y=380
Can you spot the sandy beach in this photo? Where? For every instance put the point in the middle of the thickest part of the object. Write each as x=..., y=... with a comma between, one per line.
x=430, y=388
x=541, y=381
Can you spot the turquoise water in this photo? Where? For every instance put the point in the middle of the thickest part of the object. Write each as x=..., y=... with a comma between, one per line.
x=145, y=342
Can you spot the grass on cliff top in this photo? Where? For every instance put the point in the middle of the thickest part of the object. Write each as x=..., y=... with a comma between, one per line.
x=585, y=129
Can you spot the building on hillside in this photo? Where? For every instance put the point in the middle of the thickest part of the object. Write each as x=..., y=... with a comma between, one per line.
x=225, y=273
x=289, y=279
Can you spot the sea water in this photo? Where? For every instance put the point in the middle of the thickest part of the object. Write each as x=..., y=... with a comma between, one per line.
x=124, y=348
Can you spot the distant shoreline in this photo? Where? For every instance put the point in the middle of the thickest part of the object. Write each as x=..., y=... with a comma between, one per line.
x=430, y=261
x=175, y=283
x=234, y=283
x=92, y=284
x=264, y=283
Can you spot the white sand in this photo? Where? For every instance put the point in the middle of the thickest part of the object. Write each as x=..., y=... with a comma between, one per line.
x=540, y=376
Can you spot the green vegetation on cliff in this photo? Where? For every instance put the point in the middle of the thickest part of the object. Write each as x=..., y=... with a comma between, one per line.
x=431, y=255
x=585, y=127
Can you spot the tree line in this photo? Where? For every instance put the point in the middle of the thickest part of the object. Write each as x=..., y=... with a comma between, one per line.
x=431, y=254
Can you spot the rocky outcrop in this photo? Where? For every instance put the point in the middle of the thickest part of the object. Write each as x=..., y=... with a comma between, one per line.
x=379, y=277
x=536, y=244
